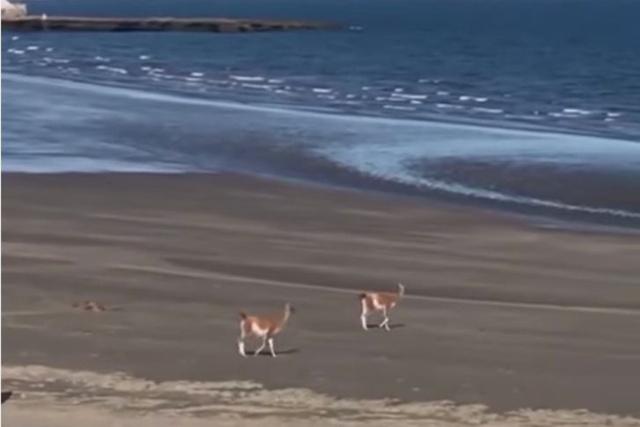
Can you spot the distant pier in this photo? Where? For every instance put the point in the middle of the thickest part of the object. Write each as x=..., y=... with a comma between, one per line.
x=215, y=25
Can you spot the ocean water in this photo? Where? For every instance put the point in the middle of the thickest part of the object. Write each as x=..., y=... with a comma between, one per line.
x=527, y=105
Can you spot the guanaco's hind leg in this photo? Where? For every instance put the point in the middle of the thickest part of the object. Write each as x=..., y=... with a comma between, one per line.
x=385, y=322
x=273, y=352
x=264, y=343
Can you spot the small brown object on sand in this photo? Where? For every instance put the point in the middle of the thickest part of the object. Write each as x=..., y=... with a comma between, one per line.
x=89, y=306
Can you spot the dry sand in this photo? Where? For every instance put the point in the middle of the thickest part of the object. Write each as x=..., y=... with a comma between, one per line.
x=500, y=315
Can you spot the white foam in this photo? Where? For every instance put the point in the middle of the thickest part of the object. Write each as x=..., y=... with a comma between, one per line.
x=351, y=96
x=16, y=51
x=321, y=90
x=436, y=81
x=398, y=89
x=465, y=98
x=101, y=59
x=246, y=78
x=481, y=99
x=524, y=117
x=365, y=121
x=49, y=49
x=196, y=74
x=488, y=110
x=562, y=115
x=112, y=69
x=398, y=107
x=55, y=60
x=614, y=114
x=144, y=57
x=409, y=96
x=577, y=111
x=275, y=81
x=256, y=86
x=33, y=47
x=389, y=161
x=442, y=93
x=146, y=68
x=166, y=76
x=15, y=38
x=366, y=88
x=449, y=106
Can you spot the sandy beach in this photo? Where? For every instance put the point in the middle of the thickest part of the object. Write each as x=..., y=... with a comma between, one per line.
x=505, y=322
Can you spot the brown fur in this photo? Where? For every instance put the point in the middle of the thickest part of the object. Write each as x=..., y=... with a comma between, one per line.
x=385, y=299
x=273, y=322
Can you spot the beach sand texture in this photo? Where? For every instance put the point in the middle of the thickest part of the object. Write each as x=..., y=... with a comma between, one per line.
x=504, y=323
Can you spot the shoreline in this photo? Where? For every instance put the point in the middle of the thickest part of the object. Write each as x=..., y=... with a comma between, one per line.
x=498, y=312
x=557, y=206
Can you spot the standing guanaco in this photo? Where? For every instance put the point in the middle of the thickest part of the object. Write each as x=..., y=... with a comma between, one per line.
x=379, y=301
x=265, y=327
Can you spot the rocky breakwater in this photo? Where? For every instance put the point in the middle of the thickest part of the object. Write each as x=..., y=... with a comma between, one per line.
x=216, y=25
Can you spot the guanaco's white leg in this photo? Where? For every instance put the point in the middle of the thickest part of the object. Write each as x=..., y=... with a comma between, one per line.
x=264, y=343
x=363, y=319
x=273, y=352
x=241, y=341
x=385, y=322
x=363, y=315
x=241, y=348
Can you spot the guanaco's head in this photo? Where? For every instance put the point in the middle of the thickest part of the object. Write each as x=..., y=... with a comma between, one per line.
x=362, y=296
x=401, y=289
x=289, y=309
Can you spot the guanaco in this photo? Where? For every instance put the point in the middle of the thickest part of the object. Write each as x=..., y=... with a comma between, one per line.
x=379, y=301
x=265, y=327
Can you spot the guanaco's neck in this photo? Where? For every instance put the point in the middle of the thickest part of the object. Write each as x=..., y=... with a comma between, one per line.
x=285, y=315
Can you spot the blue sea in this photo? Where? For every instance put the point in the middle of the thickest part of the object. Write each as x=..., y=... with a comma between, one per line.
x=524, y=105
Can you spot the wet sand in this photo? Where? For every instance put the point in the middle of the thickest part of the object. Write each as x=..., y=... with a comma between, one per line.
x=498, y=312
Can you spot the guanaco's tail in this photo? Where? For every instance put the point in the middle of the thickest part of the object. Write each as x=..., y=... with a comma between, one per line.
x=400, y=290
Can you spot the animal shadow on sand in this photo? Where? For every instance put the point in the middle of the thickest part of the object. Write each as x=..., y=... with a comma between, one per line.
x=266, y=352
x=391, y=325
